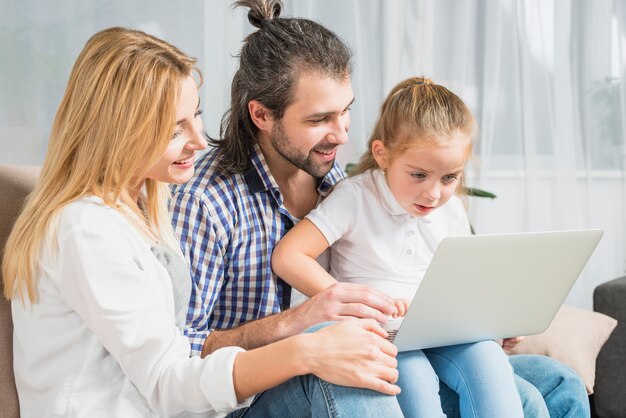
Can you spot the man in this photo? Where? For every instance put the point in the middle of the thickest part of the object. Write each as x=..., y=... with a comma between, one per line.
x=290, y=103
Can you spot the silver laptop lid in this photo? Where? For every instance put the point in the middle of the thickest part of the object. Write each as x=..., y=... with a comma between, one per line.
x=494, y=286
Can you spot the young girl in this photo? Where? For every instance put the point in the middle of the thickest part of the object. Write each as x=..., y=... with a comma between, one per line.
x=86, y=267
x=383, y=226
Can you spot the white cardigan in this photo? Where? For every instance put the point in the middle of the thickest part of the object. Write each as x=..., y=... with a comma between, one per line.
x=101, y=341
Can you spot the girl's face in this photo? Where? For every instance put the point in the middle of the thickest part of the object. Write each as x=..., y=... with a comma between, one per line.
x=424, y=177
x=176, y=163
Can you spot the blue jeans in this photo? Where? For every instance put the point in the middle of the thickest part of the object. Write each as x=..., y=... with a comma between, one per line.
x=480, y=373
x=548, y=389
x=310, y=396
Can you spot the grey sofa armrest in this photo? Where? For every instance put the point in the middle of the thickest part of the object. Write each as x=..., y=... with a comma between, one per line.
x=610, y=386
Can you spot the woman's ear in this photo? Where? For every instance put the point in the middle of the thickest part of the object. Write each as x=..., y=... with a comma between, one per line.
x=260, y=115
x=380, y=153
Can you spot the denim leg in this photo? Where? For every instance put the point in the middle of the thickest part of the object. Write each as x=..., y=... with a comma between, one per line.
x=309, y=396
x=532, y=401
x=420, y=386
x=449, y=401
x=562, y=389
x=482, y=376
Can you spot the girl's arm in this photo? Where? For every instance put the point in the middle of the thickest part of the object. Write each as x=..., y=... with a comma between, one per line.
x=349, y=353
x=294, y=259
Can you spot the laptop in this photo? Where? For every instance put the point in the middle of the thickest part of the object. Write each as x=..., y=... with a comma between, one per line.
x=486, y=287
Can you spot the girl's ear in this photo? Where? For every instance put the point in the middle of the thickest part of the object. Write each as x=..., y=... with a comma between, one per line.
x=380, y=153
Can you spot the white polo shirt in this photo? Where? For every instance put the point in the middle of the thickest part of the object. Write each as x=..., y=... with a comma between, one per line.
x=375, y=242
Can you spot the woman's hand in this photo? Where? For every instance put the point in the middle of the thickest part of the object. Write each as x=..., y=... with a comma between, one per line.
x=355, y=353
x=509, y=344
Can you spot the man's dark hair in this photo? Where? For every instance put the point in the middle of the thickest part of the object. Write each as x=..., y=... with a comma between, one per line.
x=270, y=63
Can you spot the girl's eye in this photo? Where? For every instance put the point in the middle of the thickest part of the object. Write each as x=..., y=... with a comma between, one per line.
x=449, y=179
x=419, y=176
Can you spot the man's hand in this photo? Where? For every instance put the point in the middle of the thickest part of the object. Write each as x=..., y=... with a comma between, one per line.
x=342, y=301
x=335, y=303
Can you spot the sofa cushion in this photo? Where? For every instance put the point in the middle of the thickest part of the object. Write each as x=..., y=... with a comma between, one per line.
x=15, y=184
x=574, y=338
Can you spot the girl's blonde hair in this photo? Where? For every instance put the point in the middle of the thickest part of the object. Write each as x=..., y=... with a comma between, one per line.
x=416, y=112
x=114, y=122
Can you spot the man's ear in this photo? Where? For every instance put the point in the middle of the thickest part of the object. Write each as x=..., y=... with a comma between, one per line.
x=260, y=115
x=380, y=153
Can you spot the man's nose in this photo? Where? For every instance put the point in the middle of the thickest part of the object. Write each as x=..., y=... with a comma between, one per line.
x=339, y=134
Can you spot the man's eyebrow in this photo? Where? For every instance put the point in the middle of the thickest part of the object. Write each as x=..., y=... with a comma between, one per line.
x=324, y=114
x=178, y=122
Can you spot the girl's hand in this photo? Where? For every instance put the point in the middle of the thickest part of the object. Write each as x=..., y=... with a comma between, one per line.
x=509, y=344
x=354, y=353
x=402, y=305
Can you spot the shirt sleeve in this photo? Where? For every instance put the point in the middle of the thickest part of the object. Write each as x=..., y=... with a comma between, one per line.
x=114, y=290
x=335, y=215
x=203, y=243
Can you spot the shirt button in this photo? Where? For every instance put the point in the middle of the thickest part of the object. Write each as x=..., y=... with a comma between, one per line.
x=409, y=252
x=410, y=233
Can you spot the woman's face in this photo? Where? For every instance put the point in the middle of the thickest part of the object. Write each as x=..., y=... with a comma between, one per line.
x=176, y=163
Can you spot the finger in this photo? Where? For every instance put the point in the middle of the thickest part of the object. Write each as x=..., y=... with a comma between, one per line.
x=359, y=310
x=388, y=374
x=388, y=348
x=374, y=327
x=380, y=385
x=350, y=292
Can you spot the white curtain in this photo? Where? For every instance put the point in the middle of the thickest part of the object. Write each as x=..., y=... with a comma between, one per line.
x=545, y=79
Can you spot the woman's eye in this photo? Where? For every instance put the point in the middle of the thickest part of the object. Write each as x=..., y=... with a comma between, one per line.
x=449, y=179
x=418, y=176
x=178, y=132
x=198, y=113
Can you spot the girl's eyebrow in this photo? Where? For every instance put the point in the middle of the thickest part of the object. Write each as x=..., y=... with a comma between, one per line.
x=178, y=122
x=416, y=168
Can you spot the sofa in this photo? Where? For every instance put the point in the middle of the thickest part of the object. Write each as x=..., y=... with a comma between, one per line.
x=608, y=401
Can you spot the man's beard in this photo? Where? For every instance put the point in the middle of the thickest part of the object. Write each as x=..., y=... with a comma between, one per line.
x=284, y=146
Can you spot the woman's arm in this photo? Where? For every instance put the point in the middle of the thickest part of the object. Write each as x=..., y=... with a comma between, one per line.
x=350, y=353
x=294, y=259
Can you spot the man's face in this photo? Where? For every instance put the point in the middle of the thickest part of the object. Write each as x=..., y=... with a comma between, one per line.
x=314, y=124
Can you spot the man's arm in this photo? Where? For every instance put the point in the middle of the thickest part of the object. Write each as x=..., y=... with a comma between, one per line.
x=204, y=245
x=338, y=302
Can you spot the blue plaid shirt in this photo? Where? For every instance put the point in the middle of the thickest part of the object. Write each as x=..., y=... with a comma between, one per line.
x=228, y=226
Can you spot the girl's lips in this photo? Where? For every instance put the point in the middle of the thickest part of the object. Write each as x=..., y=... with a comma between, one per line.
x=423, y=209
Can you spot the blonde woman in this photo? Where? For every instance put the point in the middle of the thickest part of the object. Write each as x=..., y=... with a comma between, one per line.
x=88, y=267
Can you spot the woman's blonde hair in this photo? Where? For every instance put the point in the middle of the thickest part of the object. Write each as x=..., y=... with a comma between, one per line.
x=416, y=112
x=119, y=108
